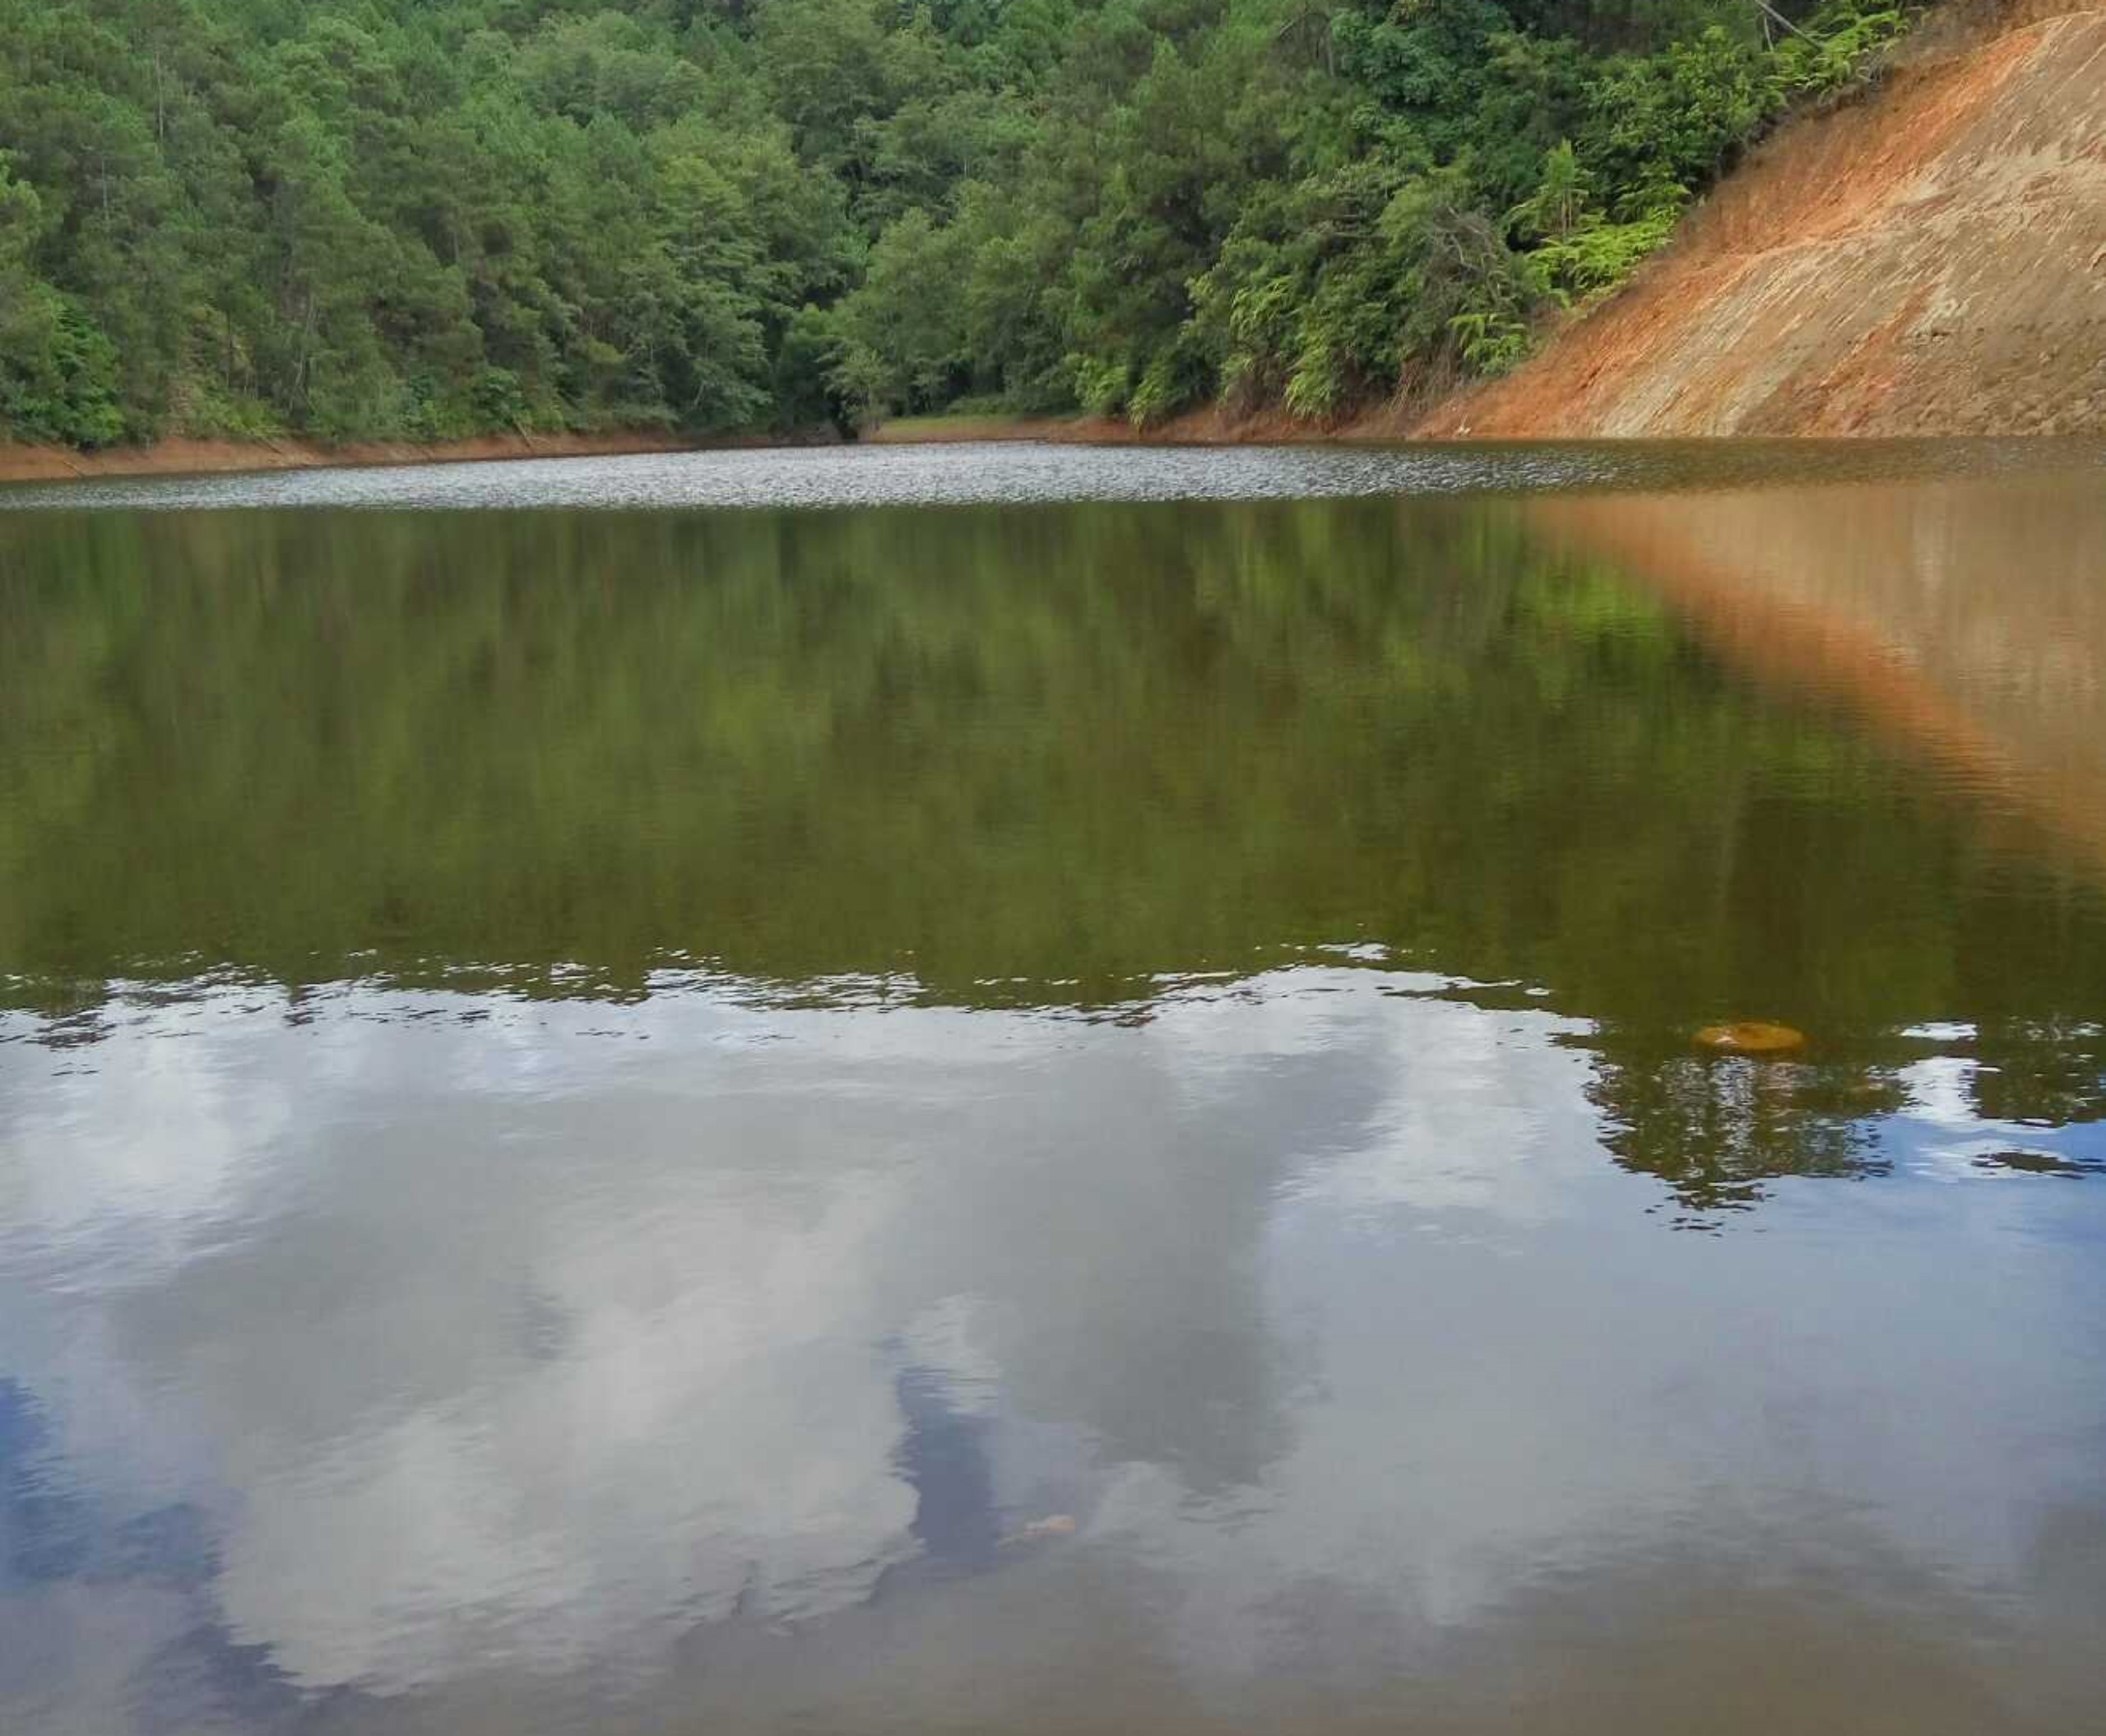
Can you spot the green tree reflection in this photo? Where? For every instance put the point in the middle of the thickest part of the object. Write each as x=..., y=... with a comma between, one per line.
x=1026, y=756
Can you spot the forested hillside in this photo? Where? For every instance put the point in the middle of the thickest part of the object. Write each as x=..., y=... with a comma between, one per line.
x=432, y=218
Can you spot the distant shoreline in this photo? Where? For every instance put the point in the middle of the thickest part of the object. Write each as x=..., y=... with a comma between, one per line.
x=181, y=456
x=184, y=457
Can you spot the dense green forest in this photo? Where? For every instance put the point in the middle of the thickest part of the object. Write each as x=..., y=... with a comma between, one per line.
x=433, y=218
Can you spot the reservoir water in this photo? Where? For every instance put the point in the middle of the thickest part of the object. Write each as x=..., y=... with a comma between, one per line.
x=1053, y=1089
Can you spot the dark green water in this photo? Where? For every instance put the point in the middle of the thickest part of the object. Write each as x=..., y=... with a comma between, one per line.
x=1052, y=1114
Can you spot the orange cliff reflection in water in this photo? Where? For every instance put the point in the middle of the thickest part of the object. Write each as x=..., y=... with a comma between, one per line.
x=1963, y=620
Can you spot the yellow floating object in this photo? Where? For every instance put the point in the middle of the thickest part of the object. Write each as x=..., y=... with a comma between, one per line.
x=1057, y=1524
x=1053, y=1525
x=1750, y=1036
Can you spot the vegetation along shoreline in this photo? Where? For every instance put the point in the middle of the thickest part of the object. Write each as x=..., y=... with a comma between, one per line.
x=365, y=223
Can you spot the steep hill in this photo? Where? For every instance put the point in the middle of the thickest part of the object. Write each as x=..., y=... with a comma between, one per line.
x=1930, y=260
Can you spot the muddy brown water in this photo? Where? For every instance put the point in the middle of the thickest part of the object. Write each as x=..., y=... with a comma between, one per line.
x=1053, y=1089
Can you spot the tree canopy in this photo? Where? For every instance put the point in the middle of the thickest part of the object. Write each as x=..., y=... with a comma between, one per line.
x=435, y=218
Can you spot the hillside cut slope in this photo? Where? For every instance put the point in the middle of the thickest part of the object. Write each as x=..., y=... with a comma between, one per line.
x=1931, y=260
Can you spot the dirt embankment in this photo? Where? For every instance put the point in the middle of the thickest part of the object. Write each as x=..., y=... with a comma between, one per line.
x=1207, y=424
x=185, y=457
x=1930, y=259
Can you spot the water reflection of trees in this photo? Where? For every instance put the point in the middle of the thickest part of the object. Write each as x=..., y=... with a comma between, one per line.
x=1014, y=756
x=1717, y=1129
x=2046, y=1075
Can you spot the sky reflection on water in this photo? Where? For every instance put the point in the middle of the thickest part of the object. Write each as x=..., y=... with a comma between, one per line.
x=432, y=1339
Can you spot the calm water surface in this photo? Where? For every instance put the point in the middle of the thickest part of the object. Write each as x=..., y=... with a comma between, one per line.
x=1055, y=1090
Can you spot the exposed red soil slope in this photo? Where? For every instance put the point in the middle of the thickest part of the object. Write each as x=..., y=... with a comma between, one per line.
x=1930, y=259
